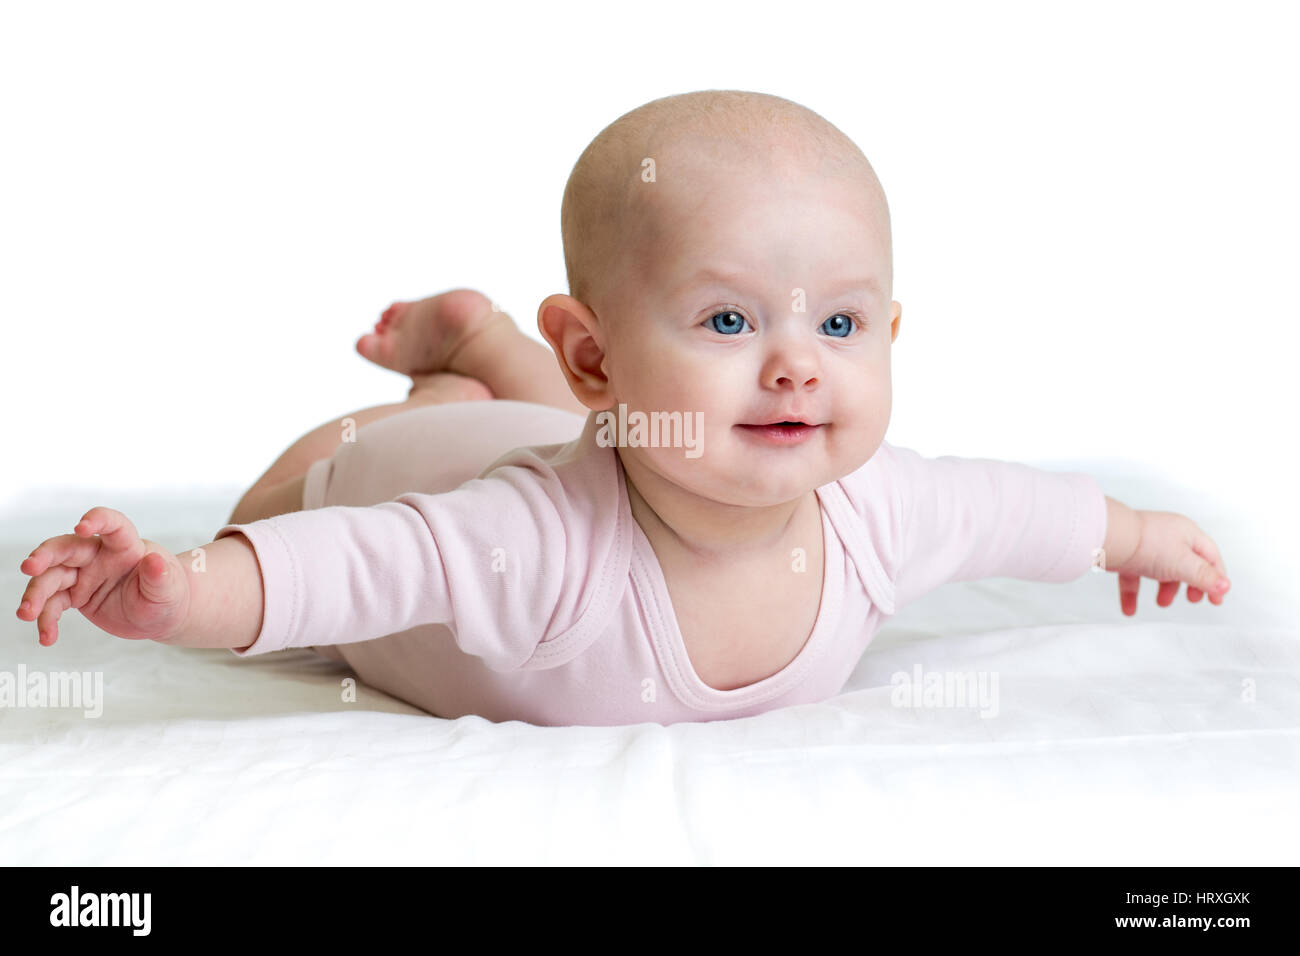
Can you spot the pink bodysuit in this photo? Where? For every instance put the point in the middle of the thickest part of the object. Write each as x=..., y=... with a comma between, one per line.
x=513, y=582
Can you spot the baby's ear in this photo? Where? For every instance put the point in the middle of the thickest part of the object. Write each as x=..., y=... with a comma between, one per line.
x=896, y=319
x=567, y=325
x=560, y=317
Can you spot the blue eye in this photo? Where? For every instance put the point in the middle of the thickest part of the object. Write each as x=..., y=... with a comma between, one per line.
x=842, y=323
x=846, y=325
x=730, y=328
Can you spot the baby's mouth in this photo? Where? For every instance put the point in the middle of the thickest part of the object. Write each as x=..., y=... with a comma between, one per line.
x=781, y=433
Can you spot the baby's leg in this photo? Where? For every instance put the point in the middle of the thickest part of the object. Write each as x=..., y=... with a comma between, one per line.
x=279, y=490
x=455, y=349
x=457, y=331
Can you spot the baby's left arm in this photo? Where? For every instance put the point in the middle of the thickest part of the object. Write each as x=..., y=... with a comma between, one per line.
x=960, y=519
x=1166, y=547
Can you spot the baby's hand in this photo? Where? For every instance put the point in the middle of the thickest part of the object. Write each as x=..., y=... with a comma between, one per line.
x=122, y=584
x=1172, y=550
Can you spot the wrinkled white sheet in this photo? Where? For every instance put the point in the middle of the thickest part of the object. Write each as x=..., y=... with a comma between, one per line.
x=1117, y=741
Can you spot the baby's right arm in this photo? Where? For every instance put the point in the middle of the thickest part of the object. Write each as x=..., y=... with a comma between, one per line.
x=491, y=560
x=135, y=589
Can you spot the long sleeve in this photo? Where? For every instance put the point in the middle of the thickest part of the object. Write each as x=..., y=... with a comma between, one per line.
x=485, y=559
x=959, y=519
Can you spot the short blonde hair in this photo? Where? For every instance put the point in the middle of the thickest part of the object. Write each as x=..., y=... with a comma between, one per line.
x=602, y=215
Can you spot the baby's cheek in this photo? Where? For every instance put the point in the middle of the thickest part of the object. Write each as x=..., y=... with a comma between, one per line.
x=867, y=418
x=871, y=390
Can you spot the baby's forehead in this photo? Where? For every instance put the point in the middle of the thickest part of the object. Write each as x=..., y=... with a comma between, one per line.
x=746, y=210
x=698, y=173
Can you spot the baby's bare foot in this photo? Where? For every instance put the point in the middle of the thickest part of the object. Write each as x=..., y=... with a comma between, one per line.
x=417, y=338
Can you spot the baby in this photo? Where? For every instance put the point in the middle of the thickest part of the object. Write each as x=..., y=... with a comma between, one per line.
x=701, y=520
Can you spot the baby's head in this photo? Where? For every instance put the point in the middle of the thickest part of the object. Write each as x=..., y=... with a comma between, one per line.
x=729, y=253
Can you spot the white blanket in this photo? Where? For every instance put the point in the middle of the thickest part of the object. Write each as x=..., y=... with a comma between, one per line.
x=1170, y=738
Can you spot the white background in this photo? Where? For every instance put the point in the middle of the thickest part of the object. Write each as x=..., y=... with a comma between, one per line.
x=1095, y=214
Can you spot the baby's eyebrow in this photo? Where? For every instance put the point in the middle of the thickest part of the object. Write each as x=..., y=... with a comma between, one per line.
x=734, y=280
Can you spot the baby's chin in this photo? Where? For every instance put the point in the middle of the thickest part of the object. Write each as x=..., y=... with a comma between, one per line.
x=749, y=484
x=757, y=471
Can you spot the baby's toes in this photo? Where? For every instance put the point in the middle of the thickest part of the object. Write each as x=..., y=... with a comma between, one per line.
x=391, y=315
x=376, y=347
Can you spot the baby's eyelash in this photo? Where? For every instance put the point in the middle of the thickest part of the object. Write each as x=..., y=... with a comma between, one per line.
x=852, y=313
x=858, y=319
x=855, y=314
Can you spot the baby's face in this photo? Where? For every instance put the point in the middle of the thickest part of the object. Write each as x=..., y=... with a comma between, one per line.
x=762, y=298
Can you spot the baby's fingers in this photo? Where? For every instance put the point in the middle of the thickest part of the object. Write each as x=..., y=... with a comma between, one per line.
x=1128, y=593
x=1168, y=592
x=1205, y=548
x=47, y=625
x=1202, y=576
x=113, y=527
x=42, y=587
x=66, y=549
